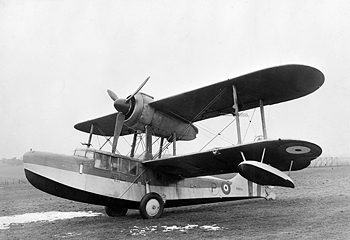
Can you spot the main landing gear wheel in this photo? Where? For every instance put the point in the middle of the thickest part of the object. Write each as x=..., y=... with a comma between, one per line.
x=151, y=206
x=115, y=211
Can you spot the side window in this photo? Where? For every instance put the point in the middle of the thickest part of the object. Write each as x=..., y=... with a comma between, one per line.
x=105, y=162
x=133, y=168
x=125, y=166
x=115, y=164
x=102, y=161
x=97, y=163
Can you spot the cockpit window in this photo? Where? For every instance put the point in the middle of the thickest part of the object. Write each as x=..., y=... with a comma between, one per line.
x=89, y=155
x=84, y=153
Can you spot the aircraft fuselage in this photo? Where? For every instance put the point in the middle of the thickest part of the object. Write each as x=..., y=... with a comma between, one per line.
x=107, y=179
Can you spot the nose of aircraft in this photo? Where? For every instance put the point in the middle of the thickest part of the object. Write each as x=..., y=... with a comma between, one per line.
x=36, y=168
x=43, y=162
x=36, y=163
x=35, y=159
x=44, y=170
x=29, y=158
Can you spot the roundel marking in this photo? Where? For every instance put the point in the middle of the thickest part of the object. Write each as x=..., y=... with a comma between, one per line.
x=298, y=150
x=226, y=188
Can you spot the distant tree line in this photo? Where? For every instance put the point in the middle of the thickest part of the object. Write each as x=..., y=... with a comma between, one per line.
x=12, y=161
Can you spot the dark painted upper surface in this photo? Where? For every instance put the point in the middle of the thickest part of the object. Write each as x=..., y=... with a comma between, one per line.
x=278, y=153
x=272, y=85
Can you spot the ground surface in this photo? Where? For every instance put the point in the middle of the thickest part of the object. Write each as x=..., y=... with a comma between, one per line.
x=318, y=208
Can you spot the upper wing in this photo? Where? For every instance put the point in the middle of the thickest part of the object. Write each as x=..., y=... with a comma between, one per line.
x=278, y=153
x=273, y=85
x=103, y=126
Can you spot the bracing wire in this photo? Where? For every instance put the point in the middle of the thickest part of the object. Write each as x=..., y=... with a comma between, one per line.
x=219, y=134
x=197, y=116
x=250, y=124
x=213, y=133
x=126, y=141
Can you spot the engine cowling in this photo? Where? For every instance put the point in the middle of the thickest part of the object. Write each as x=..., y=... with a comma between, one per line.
x=163, y=125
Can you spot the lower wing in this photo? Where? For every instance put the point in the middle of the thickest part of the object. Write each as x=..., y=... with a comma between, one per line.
x=277, y=153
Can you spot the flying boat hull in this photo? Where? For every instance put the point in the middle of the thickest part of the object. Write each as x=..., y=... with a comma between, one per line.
x=77, y=178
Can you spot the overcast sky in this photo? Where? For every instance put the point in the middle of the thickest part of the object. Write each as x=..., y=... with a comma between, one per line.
x=58, y=58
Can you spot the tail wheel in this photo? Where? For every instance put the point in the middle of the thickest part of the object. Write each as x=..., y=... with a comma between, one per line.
x=115, y=211
x=151, y=206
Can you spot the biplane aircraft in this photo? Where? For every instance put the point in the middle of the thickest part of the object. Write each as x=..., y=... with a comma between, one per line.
x=156, y=181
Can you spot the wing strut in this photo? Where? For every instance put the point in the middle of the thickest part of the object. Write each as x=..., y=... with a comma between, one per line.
x=148, y=154
x=161, y=147
x=263, y=121
x=235, y=106
x=174, y=143
x=290, y=167
x=88, y=144
x=90, y=135
x=132, y=152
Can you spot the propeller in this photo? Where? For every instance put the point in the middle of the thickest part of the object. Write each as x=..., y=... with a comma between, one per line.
x=117, y=129
x=122, y=106
x=141, y=86
x=112, y=95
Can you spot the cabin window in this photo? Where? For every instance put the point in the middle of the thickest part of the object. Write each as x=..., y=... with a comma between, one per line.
x=115, y=164
x=133, y=168
x=102, y=161
x=97, y=163
x=125, y=166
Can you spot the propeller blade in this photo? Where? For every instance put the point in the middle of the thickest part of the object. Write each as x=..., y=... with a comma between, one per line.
x=112, y=95
x=139, y=88
x=117, y=130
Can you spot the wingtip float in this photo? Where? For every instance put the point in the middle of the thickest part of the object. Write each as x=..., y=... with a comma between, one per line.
x=154, y=182
x=263, y=174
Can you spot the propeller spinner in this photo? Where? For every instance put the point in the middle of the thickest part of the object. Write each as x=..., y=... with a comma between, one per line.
x=122, y=106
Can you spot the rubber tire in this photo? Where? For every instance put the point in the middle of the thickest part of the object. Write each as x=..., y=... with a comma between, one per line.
x=114, y=211
x=151, y=201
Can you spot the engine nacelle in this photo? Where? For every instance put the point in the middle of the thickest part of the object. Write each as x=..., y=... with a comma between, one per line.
x=264, y=174
x=163, y=125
